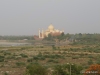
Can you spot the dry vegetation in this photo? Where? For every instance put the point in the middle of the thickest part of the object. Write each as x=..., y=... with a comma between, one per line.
x=13, y=60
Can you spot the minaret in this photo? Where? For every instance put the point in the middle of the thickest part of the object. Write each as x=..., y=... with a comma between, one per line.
x=39, y=34
x=42, y=33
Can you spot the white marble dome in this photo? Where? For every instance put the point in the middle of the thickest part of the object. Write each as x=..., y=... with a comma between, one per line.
x=51, y=27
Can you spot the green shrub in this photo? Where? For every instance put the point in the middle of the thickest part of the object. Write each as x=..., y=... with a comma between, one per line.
x=24, y=56
x=53, y=56
x=90, y=62
x=75, y=57
x=50, y=60
x=59, y=70
x=42, y=58
x=20, y=63
x=53, y=61
x=29, y=60
x=35, y=58
x=7, y=53
x=39, y=55
x=98, y=61
x=90, y=56
x=53, y=47
x=11, y=57
x=2, y=58
x=5, y=73
x=41, y=46
x=36, y=69
x=2, y=65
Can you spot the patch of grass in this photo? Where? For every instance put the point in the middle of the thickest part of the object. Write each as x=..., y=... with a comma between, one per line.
x=20, y=63
x=53, y=61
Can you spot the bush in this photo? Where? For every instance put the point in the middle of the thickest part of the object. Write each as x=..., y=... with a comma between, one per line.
x=36, y=69
x=53, y=61
x=24, y=56
x=42, y=58
x=53, y=47
x=59, y=70
x=50, y=60
x=7, y=53
x=41, y=46
x=20, y=63
x=1, y=58
x=29, y=60
x=98, y=61
x=5, y=73
x=39, y=55
x=90, y=56
x=53, y=56
x=75, y=57
x=11, y=57
x=90, y=62
x=35, y=58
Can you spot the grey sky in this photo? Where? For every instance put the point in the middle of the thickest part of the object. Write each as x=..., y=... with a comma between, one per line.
x=25, y=17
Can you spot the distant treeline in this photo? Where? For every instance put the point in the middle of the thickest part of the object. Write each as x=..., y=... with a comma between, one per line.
x=16, y=38
x=94, y=37
x=87, y=38
x=76, y=37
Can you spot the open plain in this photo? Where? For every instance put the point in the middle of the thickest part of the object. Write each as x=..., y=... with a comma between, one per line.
x=14, y=59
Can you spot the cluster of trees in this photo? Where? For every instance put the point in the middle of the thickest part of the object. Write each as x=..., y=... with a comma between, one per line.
x=59, y=37
x=81, y=38
x=87, y=38
x=78, y=36
x=37, y=69
x=16, y=37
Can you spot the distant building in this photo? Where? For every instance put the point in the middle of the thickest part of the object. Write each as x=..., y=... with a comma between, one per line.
x=36, y=37
x=51, y=30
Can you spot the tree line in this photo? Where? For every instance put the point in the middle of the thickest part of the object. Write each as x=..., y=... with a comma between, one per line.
x=16, y=37
x=65, y=69
x=80, y=38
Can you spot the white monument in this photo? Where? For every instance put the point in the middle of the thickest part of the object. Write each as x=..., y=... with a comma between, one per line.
x=50, y=30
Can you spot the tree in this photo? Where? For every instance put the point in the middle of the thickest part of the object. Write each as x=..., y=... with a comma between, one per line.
x=75, y=69
x=53, y=47
x=59, y=70
x=36, y=69
x=49, y=38
x=93, y=70
x=80, y=35
x=62, y=34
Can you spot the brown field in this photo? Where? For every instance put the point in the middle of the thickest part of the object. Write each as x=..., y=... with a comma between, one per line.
x=17, y=58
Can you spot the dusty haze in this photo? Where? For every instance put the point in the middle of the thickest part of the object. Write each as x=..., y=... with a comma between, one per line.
x=25, y=17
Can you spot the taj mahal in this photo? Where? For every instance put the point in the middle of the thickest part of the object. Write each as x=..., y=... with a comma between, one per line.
x=51, y=30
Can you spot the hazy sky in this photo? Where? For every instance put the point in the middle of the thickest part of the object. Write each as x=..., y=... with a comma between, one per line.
x=25, y=17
